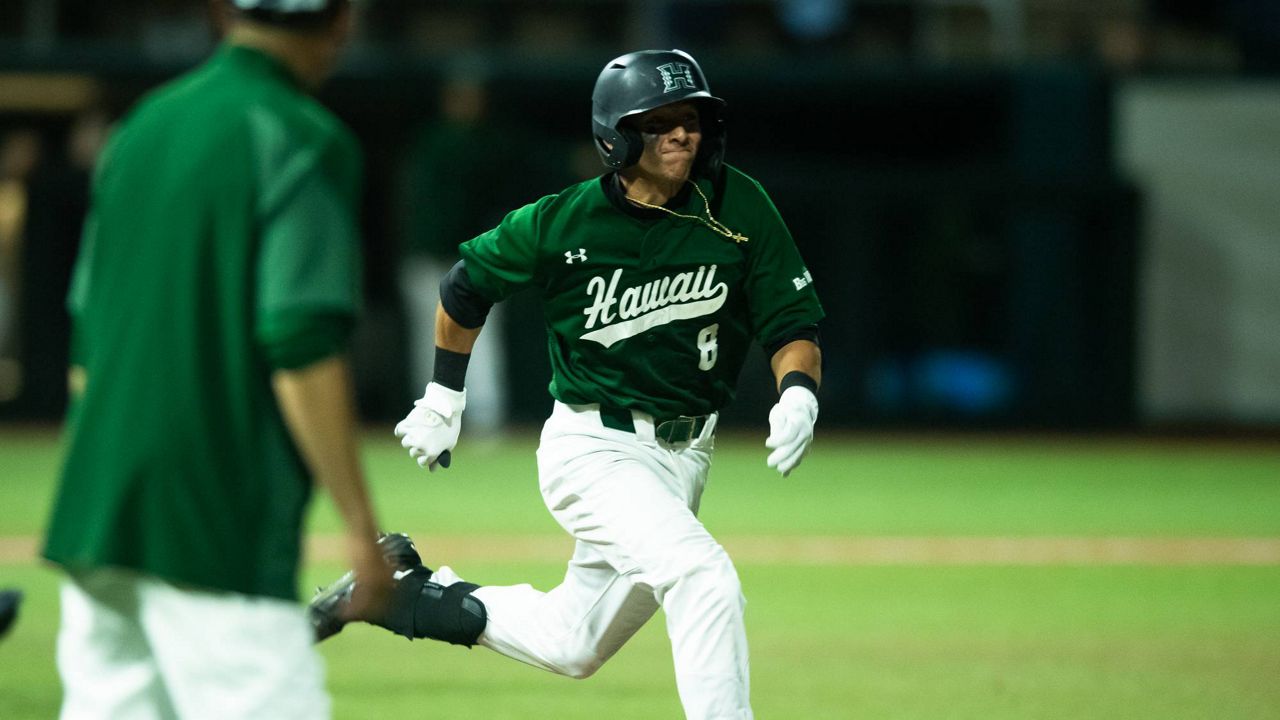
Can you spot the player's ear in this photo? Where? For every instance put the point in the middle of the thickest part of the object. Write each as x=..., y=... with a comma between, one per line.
x=344, y=25
x=219, y=16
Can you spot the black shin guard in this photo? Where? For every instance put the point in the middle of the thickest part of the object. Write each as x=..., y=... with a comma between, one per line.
x=420, y=608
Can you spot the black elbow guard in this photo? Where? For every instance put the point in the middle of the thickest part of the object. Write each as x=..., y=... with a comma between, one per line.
x=461, y=300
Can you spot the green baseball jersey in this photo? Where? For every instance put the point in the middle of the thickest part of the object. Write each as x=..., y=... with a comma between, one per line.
x=222, y=244
x=646, y=310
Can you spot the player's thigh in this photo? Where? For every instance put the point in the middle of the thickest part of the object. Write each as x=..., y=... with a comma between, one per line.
x=629, y=505
x=104, y=660
x=226, y=655
x=600, y=601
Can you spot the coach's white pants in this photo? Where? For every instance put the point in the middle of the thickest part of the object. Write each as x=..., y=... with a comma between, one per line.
x=631, y=504
x=132, y=647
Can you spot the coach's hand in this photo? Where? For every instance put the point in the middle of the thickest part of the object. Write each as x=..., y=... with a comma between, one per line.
x=430, y=431
x=375, y=581
x=791, y=428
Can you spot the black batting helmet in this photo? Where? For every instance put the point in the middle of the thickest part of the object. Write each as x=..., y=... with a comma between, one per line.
x=641, y=81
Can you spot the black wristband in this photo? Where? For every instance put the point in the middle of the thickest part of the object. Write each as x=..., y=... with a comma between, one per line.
x=797, y=377
x=451, y=369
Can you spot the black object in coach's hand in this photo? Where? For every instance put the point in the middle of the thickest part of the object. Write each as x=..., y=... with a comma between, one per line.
x=9, y=602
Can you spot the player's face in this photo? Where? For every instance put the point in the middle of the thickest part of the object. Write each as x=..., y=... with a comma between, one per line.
x=671, y=136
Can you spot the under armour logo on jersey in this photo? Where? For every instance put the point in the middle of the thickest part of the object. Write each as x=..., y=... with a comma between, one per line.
x=570, y=257
x=676, y=76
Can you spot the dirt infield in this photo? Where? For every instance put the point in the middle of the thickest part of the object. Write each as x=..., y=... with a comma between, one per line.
x=835, y=551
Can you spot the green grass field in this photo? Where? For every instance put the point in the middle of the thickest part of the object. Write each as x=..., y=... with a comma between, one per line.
x=833, y=634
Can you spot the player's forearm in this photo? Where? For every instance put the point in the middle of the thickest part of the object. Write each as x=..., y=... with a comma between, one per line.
x=799, y=355
x=452, y=336
x=316, y=401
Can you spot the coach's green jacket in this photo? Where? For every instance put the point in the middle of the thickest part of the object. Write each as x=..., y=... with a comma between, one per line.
x=222, y=244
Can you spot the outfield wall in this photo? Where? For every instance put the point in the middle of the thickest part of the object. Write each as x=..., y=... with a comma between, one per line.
x=1206, y=154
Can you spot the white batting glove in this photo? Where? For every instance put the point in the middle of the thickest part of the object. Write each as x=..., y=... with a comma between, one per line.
x=791, y=428
x=430, y=430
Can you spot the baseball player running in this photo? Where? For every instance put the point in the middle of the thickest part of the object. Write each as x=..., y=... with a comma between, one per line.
x=656, y=277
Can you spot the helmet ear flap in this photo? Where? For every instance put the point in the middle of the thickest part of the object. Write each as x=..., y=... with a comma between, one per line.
x=619, y=148
x=610, y=144
x=634, y=145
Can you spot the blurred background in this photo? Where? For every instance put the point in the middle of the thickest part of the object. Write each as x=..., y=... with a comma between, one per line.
x=1032, y=214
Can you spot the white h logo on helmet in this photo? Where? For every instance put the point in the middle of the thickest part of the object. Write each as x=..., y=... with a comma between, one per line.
x=676, y=76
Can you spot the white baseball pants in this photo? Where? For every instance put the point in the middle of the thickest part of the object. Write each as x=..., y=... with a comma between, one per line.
x=631, y=503
x=132, y=647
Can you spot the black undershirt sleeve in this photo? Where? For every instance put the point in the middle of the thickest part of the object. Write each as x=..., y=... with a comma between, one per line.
x=795, y=377
x=804, y=332
x=461, y=299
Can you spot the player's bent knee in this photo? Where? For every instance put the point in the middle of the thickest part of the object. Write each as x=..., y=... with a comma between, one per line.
x=420, y=608
x=578, y=668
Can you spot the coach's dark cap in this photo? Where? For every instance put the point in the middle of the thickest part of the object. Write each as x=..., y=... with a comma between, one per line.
x=283, y=6
x=289, y=12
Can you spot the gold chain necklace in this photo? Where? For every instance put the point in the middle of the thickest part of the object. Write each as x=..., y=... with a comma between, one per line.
x=710, y=221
